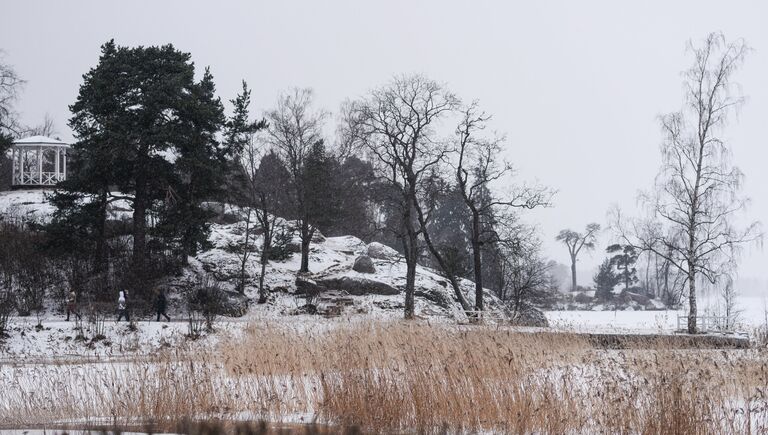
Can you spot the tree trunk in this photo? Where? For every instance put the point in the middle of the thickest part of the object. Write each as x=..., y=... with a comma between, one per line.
x=410, y=280
x=691, y=299
x=411, y=252
x=265, y=248
x=441, y=262
x=101, y=236
x=626, y=277
x=477, y=261
x=244, y=258
x=573, y=274
x=306, y=238
x=139, y=226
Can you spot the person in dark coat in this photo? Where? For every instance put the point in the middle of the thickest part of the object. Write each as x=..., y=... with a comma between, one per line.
x=161, y=305
x=72, y=305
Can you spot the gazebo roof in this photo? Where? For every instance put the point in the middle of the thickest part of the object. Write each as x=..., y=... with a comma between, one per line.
x=39, y=140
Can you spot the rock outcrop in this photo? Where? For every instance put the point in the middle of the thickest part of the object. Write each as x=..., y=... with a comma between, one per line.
x=364, y=264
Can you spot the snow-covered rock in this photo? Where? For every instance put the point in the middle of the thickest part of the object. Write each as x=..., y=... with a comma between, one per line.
x=358, y=277
x=364, y=264
x=527, y=315
x=381, y=252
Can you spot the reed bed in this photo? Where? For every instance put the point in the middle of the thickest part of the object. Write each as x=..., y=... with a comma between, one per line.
x=406, y=377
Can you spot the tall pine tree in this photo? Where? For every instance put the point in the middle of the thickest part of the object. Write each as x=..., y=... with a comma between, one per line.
x=146, y=133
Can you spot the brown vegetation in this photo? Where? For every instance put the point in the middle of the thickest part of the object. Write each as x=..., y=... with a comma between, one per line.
x=406, y=376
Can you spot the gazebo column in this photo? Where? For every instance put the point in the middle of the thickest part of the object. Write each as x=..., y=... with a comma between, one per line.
x=13, y=166
x=58, y=173
x=22, y=156
x=40, y=165
x=64, y=173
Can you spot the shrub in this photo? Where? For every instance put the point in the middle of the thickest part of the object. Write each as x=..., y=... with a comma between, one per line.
x=280, y=249
x=7, y=305
x=208, y=302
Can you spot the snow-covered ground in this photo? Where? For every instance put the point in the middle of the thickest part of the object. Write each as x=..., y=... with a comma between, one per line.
x=751, y=314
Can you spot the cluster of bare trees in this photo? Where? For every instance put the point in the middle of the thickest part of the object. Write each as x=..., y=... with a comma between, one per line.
x=398, y=125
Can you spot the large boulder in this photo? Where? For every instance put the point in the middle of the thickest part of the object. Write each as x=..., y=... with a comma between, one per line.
x=357, y=286
x=218, y=301
x=364, y=264
x=440, y=298
x=318, y=237
x=527, y=315
x=233, y=304
x=305, y=285
x=381, y=252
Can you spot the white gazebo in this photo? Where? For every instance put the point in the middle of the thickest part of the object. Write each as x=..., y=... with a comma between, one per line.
x=38, y=161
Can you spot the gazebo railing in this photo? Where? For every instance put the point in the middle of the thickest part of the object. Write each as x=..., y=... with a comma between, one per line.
x=38, y=179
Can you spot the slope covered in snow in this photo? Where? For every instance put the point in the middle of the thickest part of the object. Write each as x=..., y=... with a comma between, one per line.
x=342, y=290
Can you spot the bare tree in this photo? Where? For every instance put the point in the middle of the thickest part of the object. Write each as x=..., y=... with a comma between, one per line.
x=294, y=127
x=731, y=311
x=478, y=166
x=669, y=281
x=46, y=128
x=396, y=125
x=575, y=242
x=525, y=276
x=696, y=193
x=265, y=178
x=10, y=84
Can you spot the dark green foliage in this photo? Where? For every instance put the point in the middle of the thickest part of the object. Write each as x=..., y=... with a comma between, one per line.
x=320, y=194
x=147, y=129
x=280, y=249
x=239, y=129
x=353, y=187
x=624, y=259
x=605, y=280
x=6, y=140
x=449, y=226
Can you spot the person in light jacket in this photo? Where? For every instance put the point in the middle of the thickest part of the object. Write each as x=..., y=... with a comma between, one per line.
x=122, y=307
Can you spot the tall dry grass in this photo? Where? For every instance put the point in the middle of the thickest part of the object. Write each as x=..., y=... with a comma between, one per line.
x=404, y=377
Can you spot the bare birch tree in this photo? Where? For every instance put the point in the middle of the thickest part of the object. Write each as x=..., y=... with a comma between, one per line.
x=696, y=195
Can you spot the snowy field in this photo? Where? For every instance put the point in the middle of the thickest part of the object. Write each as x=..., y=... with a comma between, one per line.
x=751, y=314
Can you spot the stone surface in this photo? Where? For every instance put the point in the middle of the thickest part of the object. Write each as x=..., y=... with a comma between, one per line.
x=364, y=264
x=358, y=286
x=381, y=252
x=233, y=304
x=305, y=285
x=434, y=295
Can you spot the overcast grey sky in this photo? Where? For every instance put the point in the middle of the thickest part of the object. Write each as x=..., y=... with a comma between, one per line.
x=577, y=86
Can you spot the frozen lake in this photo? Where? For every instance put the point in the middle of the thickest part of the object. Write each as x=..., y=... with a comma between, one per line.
x=751, y=314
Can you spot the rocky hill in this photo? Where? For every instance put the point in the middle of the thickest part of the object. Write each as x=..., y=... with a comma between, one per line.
x=347, y=276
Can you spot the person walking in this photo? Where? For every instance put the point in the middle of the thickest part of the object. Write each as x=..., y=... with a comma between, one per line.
x=161, y=305
x=122, y=307
x=72, y=305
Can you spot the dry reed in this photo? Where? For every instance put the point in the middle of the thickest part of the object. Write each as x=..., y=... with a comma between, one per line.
x=403, y=377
